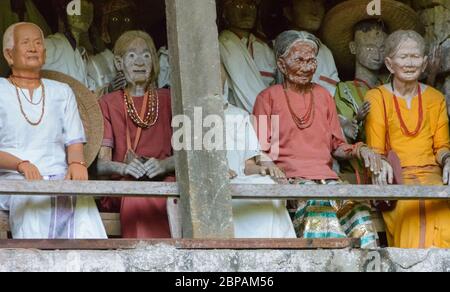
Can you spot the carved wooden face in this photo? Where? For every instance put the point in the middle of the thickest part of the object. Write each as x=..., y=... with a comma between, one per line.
x=369, y=49
x=82, y=22
x=136, y=63
x=300, y=64
x=308, y=14
x=29, y=49
x=408, y=63
x=241, y=14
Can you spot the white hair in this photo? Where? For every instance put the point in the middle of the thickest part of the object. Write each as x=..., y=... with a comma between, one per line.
x=8, y=37
x=286, y=40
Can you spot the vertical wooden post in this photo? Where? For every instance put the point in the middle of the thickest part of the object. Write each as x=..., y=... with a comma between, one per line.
x=196, y=84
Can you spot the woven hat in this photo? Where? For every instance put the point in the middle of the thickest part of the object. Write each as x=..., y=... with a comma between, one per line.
x=90, y=113
x=337, y=30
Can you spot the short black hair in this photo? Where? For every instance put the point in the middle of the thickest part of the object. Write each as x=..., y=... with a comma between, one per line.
x=370, y=24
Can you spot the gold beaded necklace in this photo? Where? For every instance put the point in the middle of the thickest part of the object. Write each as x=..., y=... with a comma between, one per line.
x=21, y=106
x=152, y=114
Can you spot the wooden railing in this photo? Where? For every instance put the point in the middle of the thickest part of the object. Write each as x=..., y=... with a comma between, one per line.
x=156, y=189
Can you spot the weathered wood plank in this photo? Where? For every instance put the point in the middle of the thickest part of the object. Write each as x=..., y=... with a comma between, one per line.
x=283, y=192
x=235, y=244
x=4, y=224
x=89, y=188
x=335, y=192
x=196, y=93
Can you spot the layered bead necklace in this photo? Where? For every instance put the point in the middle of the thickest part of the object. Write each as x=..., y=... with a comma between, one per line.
x=405, y=129
x=307, y=119
x=151, y=117
x=42, y=100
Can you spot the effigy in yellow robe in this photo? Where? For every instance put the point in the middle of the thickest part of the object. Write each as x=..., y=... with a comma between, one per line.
x=414, y=224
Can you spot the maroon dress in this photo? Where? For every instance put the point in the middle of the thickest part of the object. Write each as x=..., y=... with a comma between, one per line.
x=140, y=217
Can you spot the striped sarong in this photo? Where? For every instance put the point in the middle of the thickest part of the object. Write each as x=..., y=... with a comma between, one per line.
x=319, y=219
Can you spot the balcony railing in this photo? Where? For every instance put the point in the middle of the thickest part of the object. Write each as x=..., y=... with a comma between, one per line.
x=166, y=190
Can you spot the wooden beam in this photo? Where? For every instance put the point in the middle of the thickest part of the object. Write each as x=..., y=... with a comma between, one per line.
x=202, y=175
x=233, y=244
x=88, y=188
x=336, y=192
x=282, y=192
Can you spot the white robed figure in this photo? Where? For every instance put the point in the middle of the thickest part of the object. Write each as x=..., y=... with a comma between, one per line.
x=253, y=218
x=249, y=62
x=250, y=65
x=41, y=138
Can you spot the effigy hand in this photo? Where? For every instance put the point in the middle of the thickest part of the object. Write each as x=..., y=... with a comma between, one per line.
x=351, y=128
x=154, y=167
x=232, y=174
x=446, y=172
x=77, y=172
x=434, y=64
x=386, y=175
x=273, y=170
x=371, y=159
x=119, y=82
x=135, y=168
x=29, y=171
x=363, y=112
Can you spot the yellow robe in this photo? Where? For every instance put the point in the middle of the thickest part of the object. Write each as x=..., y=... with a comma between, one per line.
x=414, y=224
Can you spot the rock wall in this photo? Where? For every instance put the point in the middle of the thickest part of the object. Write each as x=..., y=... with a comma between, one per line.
x=168, y=258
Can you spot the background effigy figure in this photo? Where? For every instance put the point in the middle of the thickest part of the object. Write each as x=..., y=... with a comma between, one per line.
x=13, y=11
x=42, y=137
x=308, y=15
x=308, y=139
x=435, y=15
x=117, y=17
x=137, y=139
x=248, y=60
x=411, y=118
x=74, y=53
x=357, y=40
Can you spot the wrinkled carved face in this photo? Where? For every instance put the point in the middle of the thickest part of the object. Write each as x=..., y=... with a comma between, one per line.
x=308, y=14
x=136, y=64
x=120, y=22
x=408, y=63
x=29, y=49
x=241, y=14
x=300, y=64
x=369, y=48
x=82, y=22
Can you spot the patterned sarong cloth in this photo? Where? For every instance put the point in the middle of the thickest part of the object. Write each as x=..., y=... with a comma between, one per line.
x=334, y=219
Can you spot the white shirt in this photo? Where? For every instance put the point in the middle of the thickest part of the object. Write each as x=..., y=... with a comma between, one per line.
x=45, y=144
x=241, y=140
x=252, y=218
x=250, y=65
x=94, y=72
x=39, y=217
x=61, y=57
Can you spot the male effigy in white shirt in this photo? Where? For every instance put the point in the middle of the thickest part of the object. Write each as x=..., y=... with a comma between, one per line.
x=248, y=60
x=41, y=137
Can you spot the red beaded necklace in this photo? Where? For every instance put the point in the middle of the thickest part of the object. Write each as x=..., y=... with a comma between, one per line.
x=307, y=119
x=405, y=129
